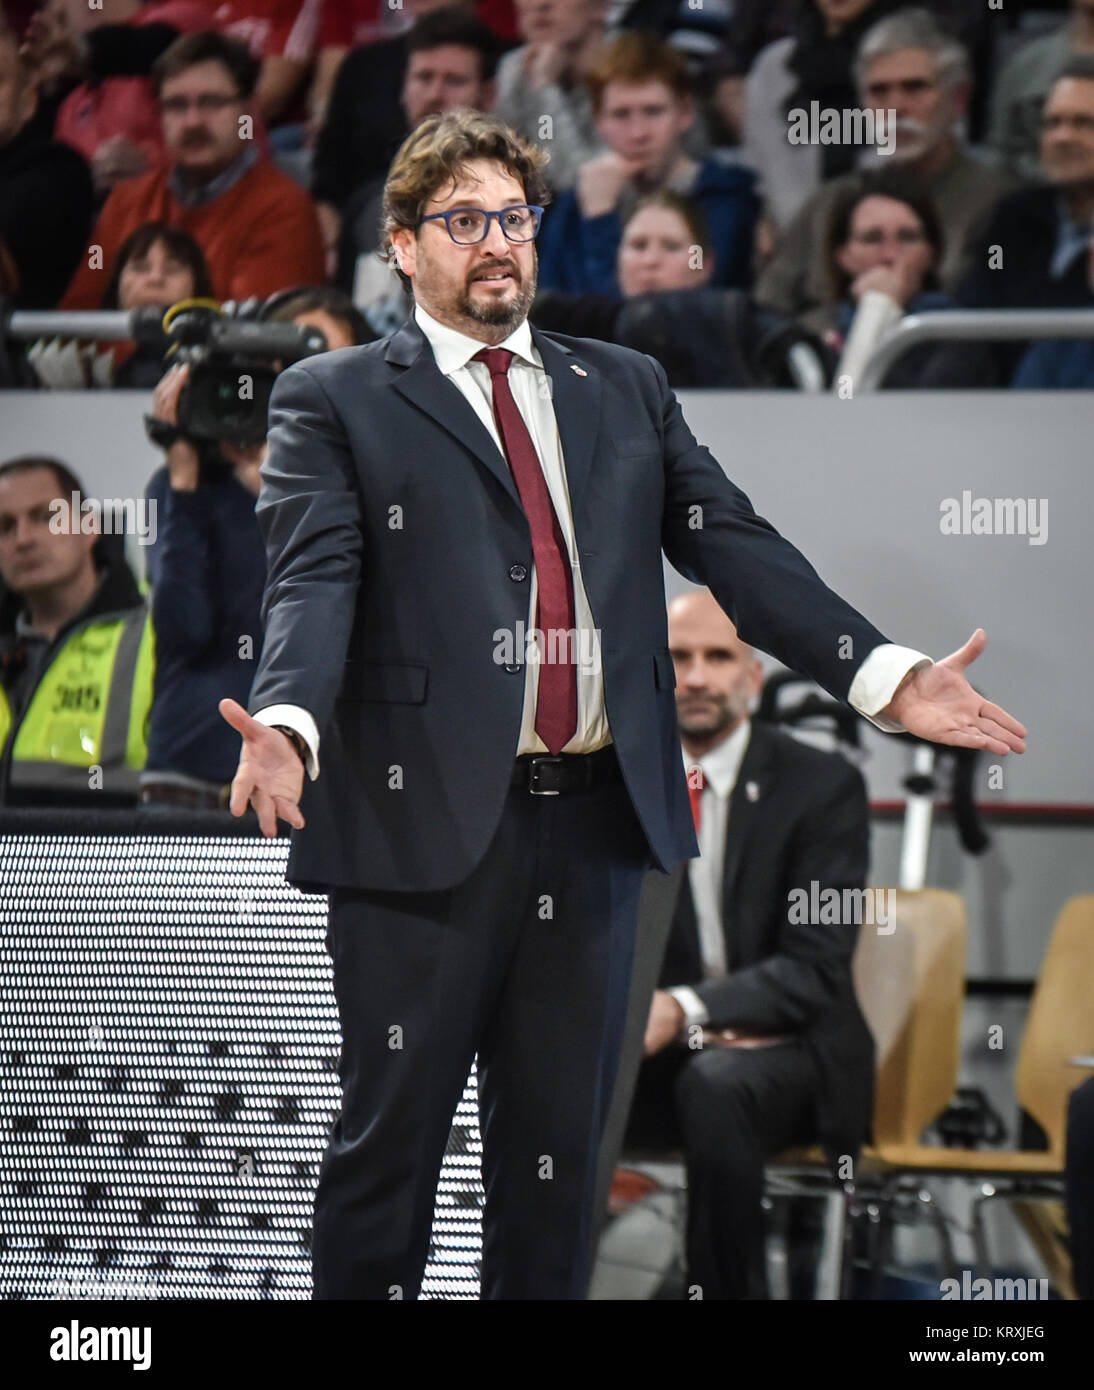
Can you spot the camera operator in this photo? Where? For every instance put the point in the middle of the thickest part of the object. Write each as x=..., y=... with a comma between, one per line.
x=207, y=574
x=207, y=566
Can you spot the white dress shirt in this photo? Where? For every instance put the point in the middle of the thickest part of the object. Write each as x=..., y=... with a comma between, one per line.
x=720, y=767
x=871, y=689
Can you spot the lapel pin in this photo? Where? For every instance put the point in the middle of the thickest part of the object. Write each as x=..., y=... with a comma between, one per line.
x=578, y=371
x=752, y=791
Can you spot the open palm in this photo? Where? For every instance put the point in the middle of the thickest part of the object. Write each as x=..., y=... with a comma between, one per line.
x=270, y=775
x=939, y=704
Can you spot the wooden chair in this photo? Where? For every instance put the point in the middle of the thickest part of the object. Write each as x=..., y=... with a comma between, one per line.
x=910, y=984
x=1059, y=1027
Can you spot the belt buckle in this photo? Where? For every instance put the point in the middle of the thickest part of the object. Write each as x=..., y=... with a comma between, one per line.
x=536, y=761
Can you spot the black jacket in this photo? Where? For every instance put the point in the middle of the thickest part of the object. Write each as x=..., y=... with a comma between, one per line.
x=1024, y=227
x=806, y=821
x=388, y=633
x=46, y=208
x=365, y=123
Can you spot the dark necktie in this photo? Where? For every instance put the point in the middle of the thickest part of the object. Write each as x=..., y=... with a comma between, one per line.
x=556, y=702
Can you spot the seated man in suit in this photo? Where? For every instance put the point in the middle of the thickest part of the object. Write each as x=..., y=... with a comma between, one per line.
x=755, y=1040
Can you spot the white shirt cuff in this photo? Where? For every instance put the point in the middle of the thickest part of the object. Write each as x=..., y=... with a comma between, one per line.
x=301, y=722
x=695, y=1011
x=876, y=681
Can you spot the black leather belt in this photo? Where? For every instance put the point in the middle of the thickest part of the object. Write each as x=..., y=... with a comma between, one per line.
x=551, y=774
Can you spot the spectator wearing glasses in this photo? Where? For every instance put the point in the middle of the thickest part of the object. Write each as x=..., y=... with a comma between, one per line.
x=884, y=246
x=908, y=64
x=257, y=228
x=1019, y=92
x=643, y=106
x=1034, y=252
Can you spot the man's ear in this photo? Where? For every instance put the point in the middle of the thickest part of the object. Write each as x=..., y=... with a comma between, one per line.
x=404, y=242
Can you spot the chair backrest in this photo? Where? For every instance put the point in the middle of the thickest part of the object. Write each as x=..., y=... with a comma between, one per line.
x=1060, y=1024
x=910, y=984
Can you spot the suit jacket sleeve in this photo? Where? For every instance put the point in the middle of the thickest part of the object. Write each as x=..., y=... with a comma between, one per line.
x=784, y=992
x=309, y=512
x=773, y=595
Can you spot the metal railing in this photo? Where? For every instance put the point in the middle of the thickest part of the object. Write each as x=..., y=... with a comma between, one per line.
x=980, y=325
x=105, y=325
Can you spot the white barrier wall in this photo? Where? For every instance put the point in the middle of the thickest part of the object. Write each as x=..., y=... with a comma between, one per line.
x=860, y=486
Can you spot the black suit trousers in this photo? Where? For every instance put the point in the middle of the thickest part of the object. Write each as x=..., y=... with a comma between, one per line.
x=526, y=963
x=730, y=1110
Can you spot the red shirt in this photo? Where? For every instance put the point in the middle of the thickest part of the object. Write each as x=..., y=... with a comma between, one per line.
x=259, y=236
x=351, y=23
x=272, y=28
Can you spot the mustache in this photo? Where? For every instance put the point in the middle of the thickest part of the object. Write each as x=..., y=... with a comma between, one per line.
x=483, y=270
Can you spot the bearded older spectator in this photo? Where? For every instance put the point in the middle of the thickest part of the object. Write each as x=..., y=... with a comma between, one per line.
x=908, y=64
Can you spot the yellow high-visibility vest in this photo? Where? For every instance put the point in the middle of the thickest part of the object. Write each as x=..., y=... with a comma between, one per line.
x=84, y=729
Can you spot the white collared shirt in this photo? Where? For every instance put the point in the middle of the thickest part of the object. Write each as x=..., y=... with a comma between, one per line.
x=721, y=767
x=870, y=691
x=530, y=385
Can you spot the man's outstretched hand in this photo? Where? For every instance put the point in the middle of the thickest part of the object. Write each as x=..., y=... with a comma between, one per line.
x=270, y=775
x=939, y=704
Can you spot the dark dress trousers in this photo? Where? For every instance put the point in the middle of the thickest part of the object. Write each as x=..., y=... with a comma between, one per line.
x=731, y=1109
x=468, y=916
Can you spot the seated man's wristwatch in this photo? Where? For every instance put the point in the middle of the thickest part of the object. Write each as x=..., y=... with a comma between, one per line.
x=297, y=742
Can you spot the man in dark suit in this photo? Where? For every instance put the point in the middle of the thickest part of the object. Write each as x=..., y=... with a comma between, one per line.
x=754, y=1039
x=465, y=603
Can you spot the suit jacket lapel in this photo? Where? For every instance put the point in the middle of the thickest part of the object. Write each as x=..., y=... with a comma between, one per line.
x=423, y=385
x=577, y=398
x=576, y=402
x=747, y=805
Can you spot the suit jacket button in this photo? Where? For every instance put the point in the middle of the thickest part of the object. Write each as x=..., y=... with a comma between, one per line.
x=512, y=668
x=518, y=573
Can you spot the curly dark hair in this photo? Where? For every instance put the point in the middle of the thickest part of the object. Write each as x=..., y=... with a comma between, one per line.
x=435, y=153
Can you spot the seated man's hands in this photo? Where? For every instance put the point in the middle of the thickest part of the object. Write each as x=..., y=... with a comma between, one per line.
x=270, y=775
x=664, y=1023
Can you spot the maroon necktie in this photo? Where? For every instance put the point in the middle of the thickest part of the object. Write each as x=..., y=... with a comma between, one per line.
x=556, y=702
x=696, y=783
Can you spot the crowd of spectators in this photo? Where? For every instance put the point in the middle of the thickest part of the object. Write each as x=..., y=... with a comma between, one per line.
x=263, y=130
x=236, y=150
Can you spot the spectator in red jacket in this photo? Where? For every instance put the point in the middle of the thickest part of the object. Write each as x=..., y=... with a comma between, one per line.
x=256, y=227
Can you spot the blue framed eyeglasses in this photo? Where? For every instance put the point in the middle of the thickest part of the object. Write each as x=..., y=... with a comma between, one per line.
x=467, y=226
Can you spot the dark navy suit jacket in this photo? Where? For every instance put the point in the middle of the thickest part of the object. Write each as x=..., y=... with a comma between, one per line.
x=393, y=533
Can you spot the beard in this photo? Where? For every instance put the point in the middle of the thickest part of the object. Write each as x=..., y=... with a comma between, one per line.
x=493, y=310
x=500, y=313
